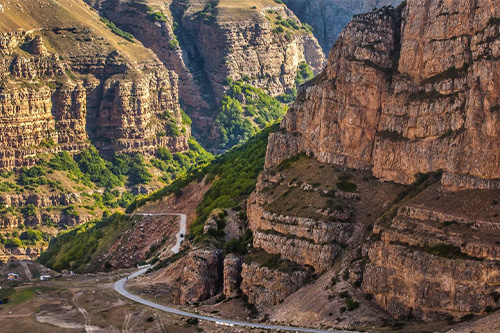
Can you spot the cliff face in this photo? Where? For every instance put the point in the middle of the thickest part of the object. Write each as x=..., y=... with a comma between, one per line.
x=65, y=81
x=329, y=17
x=406, y=91
x=415, y=92
x=207, y=41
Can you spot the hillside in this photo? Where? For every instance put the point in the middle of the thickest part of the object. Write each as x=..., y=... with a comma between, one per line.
x=199, y=192
x=373, y=206
x=376, y=207
x=408, y=95
x=71, y=82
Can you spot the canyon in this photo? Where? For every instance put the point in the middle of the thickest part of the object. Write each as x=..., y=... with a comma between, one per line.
x=373, y=205
x=207, y=42
x=64, y=84
x=329, y=17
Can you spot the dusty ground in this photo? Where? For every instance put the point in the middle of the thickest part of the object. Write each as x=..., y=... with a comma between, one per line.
x=82, y=303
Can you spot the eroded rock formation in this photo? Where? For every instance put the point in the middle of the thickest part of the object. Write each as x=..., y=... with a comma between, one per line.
x=406, y=91
x=67, y=82
x=329, y=17
x=205, y=42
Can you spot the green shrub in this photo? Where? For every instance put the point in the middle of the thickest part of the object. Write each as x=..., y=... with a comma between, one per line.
x=346, y=186
x=74, y=249
x=238, y=245
x=117, y=31
x=304, y=74
x=31, y=237
x=97, y=169
x=29, y=210
x=233, y=120
x=13, y=242
x=157, y=16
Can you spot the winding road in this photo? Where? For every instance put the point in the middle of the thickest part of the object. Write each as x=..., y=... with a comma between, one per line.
x=182, y=228
x=120, y=288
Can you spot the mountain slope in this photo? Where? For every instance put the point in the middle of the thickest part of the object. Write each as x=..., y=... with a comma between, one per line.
x=409, y=94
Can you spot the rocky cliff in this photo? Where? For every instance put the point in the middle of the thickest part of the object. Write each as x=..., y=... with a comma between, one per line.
x=329, y=17
x=406, y=91
x=66, y=78
x=206, y=42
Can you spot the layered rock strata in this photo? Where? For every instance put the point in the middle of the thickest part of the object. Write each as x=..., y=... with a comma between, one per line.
x=433, y=266
x=266, y=287
x=207, y=41
x=329, y=17
x=232, y=275
x=406, y=91
x=67, y=82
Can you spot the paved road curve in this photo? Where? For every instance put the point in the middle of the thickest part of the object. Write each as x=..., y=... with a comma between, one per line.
x=120, y=288
x=182, y=229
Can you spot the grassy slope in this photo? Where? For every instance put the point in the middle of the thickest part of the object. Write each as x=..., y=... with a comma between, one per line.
x=234, y=177
x=46, y=14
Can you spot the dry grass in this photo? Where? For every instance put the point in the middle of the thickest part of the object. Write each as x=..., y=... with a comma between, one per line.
x=44, y=15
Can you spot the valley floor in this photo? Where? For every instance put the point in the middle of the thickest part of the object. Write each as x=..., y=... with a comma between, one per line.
x=88, y=303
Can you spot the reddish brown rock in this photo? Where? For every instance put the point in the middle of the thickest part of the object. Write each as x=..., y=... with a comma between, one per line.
x=405, y=91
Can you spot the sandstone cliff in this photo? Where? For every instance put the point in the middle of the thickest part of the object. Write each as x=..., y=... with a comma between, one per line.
x=205, y=42
x=66, y=78
x=415, y=92
x=406, y=91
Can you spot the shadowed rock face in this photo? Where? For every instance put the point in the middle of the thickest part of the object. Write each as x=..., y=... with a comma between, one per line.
x=433, y=266
x=408, y=90
x=329, y=17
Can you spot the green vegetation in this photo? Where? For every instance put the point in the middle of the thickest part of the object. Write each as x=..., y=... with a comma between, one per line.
x=273, y=262
x=304, y=74
x=208, y=13
x=97, y=169
x=243, y=111
x=77, y=247
x=288, y=163
x=233, y=177
x=239, y=245
x=117, y=31
x=446, y=251
x=156, y=16
x=350, y=303
x=345, y=184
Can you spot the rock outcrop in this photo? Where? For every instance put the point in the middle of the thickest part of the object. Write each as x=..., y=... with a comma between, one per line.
x=329, y=17
x=206, y=42
x=266, y=287
x=69, y=81
x=432, y=266
x=232, y=275
x=201, y=276
x=406, y=91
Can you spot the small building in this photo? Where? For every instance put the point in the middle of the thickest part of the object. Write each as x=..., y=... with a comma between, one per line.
x=45, y=277
x=13, y=277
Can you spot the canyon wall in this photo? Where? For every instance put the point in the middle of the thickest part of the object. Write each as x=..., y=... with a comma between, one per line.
x=410, y=91
x=65, y=83
x=205, y=42
x=329, y=17
x=406, y=91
